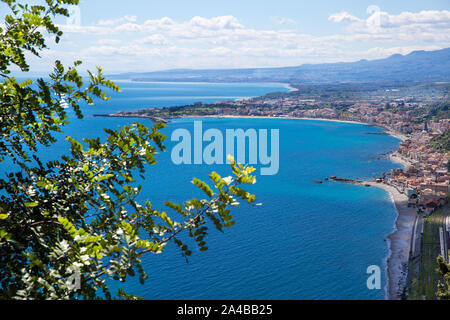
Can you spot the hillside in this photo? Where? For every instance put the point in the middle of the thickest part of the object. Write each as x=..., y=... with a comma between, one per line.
x=418, y=66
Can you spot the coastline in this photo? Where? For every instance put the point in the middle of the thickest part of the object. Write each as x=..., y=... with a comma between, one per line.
x=395, y=158
x=397, y=135
x=400, y=238
x=291, y=88
x=399, y=242
x=389, y=132
x=265, y=117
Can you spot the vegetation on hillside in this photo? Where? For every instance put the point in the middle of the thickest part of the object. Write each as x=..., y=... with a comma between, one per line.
x=443, y=292
x=428, y=274
x=439, y=110
x=442, y=142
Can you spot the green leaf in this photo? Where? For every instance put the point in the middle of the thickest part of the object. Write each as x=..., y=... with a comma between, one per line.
x=31, y=204
x=203, y=186
x=41, y=184
x=230, y=224
x=104, y=177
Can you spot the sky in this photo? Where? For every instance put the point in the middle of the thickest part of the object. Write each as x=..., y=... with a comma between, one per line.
x=143, y=35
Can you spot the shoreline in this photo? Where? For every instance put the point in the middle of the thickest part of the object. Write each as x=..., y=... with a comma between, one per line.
x=389, y=132
x=266, y=117
x=399, y=242
x=395, y=158
x=291, y=88
x=399, y=239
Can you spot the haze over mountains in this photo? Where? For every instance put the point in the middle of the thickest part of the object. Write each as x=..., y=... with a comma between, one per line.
x=420, y=66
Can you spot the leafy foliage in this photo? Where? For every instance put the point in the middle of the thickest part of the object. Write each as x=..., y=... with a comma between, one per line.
x=439, y=110
x=441, y=143
x=79, y=217
x=443, y=292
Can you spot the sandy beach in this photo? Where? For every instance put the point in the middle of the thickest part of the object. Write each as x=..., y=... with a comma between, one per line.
x=400, y=241
x=287, y=118
x=394, y=157
x=395, y=134
x=398, y=135
x=291, y=88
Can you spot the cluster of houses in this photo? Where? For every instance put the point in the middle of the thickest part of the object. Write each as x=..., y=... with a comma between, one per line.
x=404, y=122
x=426, y=180
x=373, y=109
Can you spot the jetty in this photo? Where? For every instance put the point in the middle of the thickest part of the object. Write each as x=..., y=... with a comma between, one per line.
x=352, y=181
x=133, y=115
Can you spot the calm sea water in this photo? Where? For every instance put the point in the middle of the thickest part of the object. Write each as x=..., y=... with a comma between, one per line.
x=307, y=241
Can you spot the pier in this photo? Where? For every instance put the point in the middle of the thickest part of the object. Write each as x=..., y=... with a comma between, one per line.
x=133, y=115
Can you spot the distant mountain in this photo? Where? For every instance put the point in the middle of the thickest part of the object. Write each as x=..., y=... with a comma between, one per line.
x=420, y=66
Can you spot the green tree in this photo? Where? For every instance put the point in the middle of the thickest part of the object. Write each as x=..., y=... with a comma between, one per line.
x=442, y=142
x=68, y=225
x=443, y=292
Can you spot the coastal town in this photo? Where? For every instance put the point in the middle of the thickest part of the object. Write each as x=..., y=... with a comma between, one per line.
x=419, y=190
x=403, y=112
x=219, y=158
x=417, y=115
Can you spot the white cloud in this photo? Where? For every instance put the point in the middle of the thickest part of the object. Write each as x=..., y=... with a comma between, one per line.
x=129, y=27
x=423, y=20
x=282, y=20
x=163, y=22
x=377, y=52
x=430, y=17
x=412, y=28
x=343, y=17
x=112, y=22
x=221, y=51
x=154, y=39
x=216, y=23
x=224, y=41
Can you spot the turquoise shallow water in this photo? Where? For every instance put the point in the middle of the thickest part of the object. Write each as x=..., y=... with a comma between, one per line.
x=307, y=241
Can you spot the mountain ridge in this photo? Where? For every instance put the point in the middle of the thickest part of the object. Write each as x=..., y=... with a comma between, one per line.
x=417, y=66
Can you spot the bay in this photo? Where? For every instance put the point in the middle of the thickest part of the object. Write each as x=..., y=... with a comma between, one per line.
x=307, y=240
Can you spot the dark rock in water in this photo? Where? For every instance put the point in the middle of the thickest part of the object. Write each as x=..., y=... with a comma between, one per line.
x=353, y=181
x=377, y=133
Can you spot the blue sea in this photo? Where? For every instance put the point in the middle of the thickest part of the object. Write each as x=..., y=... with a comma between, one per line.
x=306, y=241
